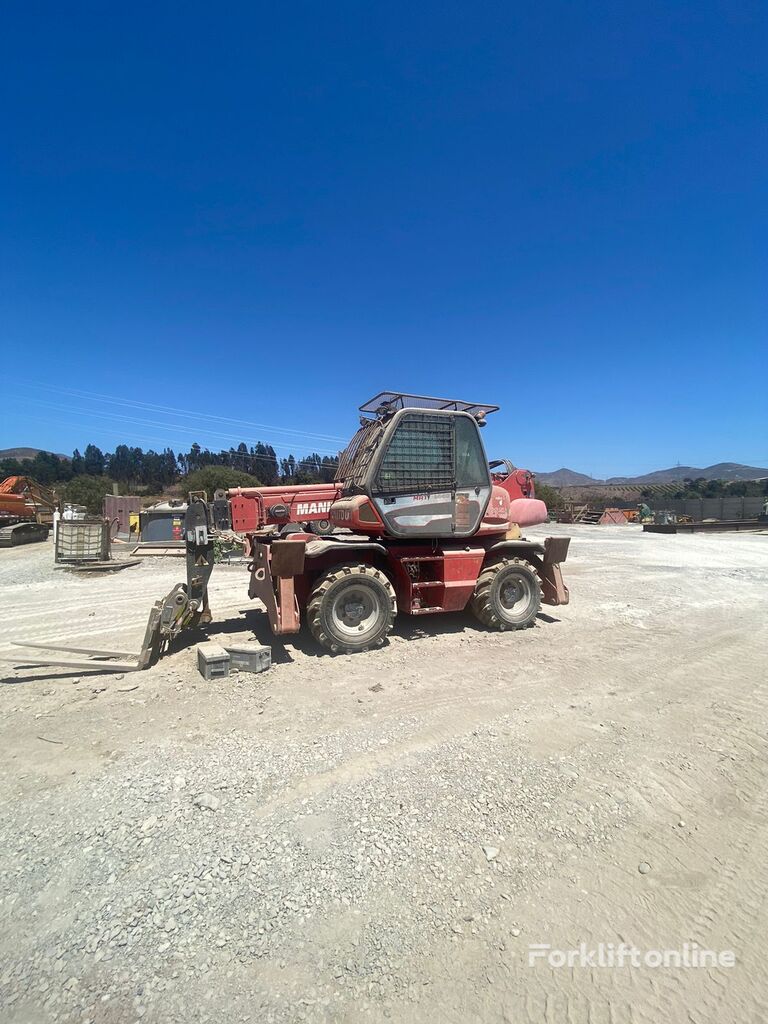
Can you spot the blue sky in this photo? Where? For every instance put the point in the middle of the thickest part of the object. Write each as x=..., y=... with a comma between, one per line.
x=269, y=212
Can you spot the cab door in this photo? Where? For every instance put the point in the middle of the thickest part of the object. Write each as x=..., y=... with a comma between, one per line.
x=412, y=485
x=431, y=479
x=473, y=477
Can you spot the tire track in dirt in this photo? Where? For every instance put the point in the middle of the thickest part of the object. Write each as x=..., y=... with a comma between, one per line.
x=729, y=910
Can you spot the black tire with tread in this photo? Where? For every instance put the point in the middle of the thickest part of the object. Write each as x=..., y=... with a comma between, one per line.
x=325, y=588
x=485, y=602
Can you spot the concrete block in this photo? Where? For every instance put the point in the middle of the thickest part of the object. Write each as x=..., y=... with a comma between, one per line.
x=249, y=657
x=212, y=661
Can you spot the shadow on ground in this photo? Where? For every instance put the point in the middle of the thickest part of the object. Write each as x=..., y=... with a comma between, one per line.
x=254, y=621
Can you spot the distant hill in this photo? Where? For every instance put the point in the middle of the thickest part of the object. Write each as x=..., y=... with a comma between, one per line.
x=565, y=478
x=720, y=471
x=675, y=474
x=23, y=453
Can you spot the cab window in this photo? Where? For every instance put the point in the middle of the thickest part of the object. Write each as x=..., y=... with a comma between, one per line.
x=419, y=456
x=471, y=467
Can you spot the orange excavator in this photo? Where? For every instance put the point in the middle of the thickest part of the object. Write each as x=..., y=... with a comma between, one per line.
x=26, y=511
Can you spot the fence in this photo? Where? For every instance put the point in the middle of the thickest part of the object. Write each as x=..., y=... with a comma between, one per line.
x=710, y=508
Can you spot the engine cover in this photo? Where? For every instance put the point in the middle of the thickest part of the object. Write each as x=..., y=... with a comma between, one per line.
x=527, y=511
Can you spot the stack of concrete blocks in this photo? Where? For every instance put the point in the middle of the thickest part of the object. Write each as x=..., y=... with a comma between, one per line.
x=215, y=661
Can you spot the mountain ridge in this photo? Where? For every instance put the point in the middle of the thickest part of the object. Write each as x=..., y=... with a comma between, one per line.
x=718, y=471
x=28, y=453
x=565, y=477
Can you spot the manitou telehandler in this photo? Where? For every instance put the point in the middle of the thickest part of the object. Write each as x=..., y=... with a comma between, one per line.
x=423, y=524
x=434, y=529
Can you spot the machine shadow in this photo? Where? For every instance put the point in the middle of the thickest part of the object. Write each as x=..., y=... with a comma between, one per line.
x=42, y=673
x=409, y=627
x=253, y=620
x=415, y=627
x=256, y=621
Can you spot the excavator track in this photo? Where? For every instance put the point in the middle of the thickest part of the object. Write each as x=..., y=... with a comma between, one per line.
x=22, y=533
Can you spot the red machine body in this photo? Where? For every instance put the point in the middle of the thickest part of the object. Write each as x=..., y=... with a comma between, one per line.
x=517, y=482
x=426, y=524
x=16, y=508
x=427, y=580
x=253, y=508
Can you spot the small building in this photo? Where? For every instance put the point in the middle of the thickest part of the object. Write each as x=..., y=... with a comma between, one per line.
x=163, y=522
x=122, y=509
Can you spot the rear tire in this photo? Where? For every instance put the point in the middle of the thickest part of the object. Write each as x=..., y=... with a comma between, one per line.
x=320, y=527
x=351, y=608
x=507, y=595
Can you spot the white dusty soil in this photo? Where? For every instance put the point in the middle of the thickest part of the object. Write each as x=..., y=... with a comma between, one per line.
x=338, y=872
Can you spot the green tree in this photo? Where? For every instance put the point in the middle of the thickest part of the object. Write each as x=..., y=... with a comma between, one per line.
x=328, y=469
x=549, y=495
x=308, y=469
x=89, y=491
x=12, y=467
x=214, y=478
x=264, y=464
x=241, y=459
x=93, y=460
x=121, y=464
x=287, y=469
x=170, y=468
x=713, y=488
x=47, y=468
x=192, y=459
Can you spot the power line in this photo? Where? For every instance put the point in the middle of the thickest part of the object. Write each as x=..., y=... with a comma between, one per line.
x=213, y=451
x=168, y=410
x=194, y=431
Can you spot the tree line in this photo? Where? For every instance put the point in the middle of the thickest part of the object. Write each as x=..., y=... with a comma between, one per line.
x=134, y=467
x=703, y=488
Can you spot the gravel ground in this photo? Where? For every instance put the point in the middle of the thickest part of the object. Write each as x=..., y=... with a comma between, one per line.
x=384, y=835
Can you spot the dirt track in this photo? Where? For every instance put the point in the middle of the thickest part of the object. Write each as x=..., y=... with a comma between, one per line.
x=342, y=872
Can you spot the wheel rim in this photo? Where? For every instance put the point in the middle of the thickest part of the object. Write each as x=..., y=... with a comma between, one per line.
x=354, y=611
x=515, y=595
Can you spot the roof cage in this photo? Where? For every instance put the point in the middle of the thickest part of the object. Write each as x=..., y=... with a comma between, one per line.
x=390, y=401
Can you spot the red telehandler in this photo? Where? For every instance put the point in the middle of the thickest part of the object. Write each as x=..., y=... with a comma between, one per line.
x=434, y=528
x=427, y=526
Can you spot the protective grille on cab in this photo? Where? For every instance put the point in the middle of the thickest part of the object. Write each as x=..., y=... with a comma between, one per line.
x=356, y=458
x=419, y=456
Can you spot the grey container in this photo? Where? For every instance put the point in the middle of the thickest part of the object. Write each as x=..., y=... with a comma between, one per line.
x=212, y=661
x=162, y=524
x=250, y=657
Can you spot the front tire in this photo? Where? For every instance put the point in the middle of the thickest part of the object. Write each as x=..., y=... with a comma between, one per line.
x=507, y=595
x=351, y=608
